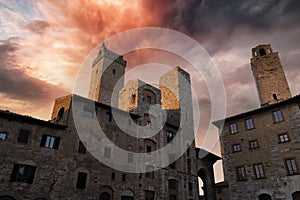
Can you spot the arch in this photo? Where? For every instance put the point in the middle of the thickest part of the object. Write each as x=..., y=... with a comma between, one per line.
x=149, y=145
x=105, y=196
x=106, y=193
x=262, y=52
x=6, y=197
x=127, y=195
x=60, y=112
x=149, y=96
x=203, y=174
x=296, y=195
x=264, y=196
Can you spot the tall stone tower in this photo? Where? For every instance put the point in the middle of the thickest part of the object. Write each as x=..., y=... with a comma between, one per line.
x=107, y=69
x=176, y=99
x=271, y=82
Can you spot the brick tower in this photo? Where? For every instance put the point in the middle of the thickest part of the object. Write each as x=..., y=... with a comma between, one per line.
x=271, y=82
x=107, y=69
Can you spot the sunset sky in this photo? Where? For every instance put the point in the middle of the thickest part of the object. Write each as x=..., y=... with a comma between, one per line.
x=43, y=43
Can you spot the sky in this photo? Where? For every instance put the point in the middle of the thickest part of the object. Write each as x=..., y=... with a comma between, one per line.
x=44, y=42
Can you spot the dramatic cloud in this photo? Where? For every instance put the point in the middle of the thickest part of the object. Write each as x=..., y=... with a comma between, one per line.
x=52, y=38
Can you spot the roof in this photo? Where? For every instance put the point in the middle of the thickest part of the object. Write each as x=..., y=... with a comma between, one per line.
x=28, y=119
x=257, y=110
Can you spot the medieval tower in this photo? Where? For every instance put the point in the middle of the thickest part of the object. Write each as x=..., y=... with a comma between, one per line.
x=107, y=71
x=271, y=82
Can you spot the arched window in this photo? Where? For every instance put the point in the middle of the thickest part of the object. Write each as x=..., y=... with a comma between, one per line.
x=148, y=99
x=60, y=112
x=275, y=97
x=296, y=195
x=264, y=197
x=104, y=196
x=106, y=193
x=172, y=184
x=262, y=52
x=127, y=195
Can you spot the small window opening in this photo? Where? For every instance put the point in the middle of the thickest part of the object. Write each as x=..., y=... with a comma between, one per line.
x=60, y=113
x=114, y=71
x=275, y=97
x=262, y=52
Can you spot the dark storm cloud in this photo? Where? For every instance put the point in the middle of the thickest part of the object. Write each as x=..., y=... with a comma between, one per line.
x=15, y=83
x=214, y=22
x=37, y=26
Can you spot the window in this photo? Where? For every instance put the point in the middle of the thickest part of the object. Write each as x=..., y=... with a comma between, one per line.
x=173, y=184
x=23, y=136
x=81, y=180
x=149, y=171
x=3, y=136
x=130, y=157
x=190, y=185
x=107, y=152
x=291, y=166
x=233, y=128
x=275, y=97
x=148, y=99
x=50, y=142
x=283, y=138
x=81, y=148
x=114, y=71
x=148, y=124
x=133, y=98
x=88, y=111
x=262, y=52
x=189, y=165
x=236, y=148
x=241, y=173
x=277, y=116
x=149, y=149
x=60, y=113
x=259, y=171
x=170, y=136
x=113, y=175
x=23, y=173
x=172, y=161
x=253, y=144
x=249, y=124
x=108, y=117
x=123, y=177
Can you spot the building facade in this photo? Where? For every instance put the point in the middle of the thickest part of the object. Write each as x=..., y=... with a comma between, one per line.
x=260, y=148
x=51, y=160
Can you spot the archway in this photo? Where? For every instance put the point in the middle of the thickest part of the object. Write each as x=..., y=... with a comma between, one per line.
x=296, y=195
x=104, y=196
x=203, y=176
x=127, y=195
x=205, y=163
x=264, y=197
x=6, y=197
x=60, y=112
x=106, y=193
